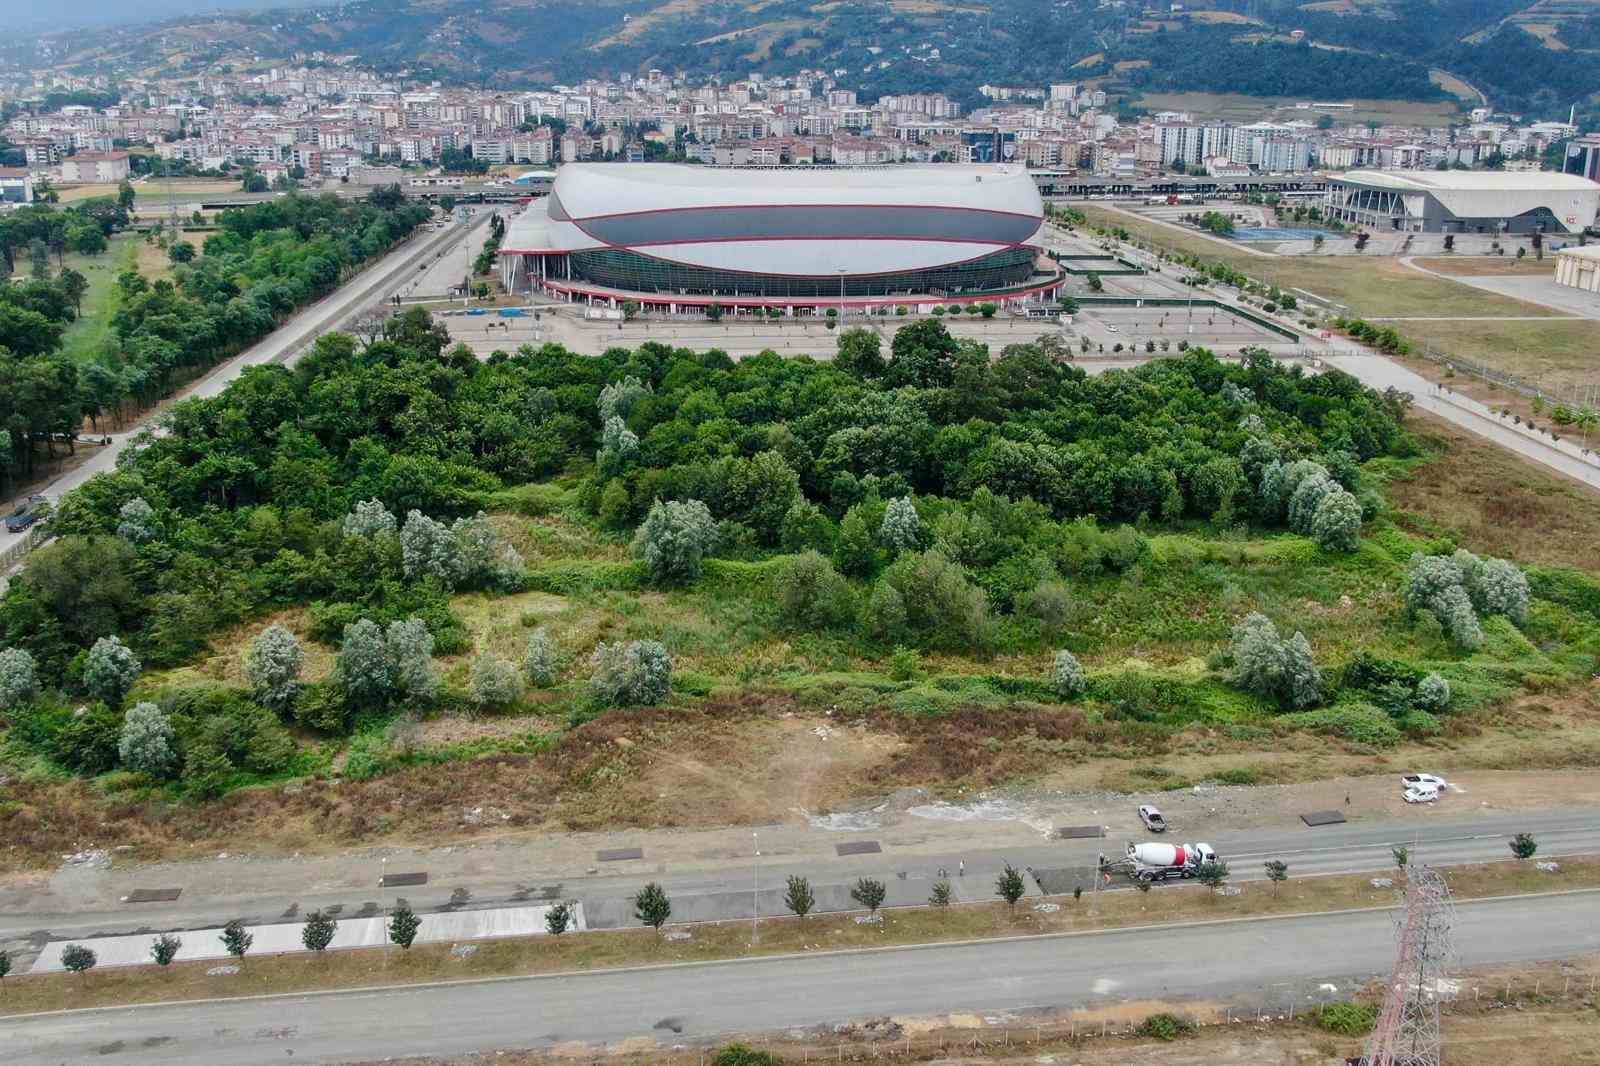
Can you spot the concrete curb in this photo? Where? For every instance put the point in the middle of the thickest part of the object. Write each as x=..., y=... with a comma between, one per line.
x=1158, y=927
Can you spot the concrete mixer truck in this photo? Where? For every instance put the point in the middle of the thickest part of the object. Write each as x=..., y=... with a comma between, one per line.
x=1158, y=862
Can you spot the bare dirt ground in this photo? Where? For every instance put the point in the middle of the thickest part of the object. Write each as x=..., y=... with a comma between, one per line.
x=763, y=759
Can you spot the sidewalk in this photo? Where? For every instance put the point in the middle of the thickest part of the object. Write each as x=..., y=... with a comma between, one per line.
x=283, y=938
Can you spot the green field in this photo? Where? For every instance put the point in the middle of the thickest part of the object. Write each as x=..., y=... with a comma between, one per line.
x=88, y=337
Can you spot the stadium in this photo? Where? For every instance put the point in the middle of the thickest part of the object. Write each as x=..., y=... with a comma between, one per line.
x=1463, y=201
x=798, y=239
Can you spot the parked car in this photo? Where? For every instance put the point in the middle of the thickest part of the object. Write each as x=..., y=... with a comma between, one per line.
x=1433, y=781
x=26, y=514
x=1420, y=794
x=1152, y=819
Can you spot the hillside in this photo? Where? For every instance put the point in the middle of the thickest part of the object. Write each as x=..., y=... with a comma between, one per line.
x=1522, y=57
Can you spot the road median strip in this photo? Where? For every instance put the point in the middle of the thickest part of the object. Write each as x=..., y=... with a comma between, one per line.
x=612, y=951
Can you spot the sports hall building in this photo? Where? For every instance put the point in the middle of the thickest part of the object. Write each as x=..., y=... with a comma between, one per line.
x=801, y=239
x=1463, y=201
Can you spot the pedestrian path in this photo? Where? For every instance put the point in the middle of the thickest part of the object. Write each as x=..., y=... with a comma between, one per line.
x=279, y=938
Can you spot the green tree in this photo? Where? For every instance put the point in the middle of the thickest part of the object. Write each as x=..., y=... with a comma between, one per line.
x=495, y=681
x=147, y=743
x=940, y=896
x=403, y=924
x=539, y=659
x=19, y=679
x=1277, y=872
x=1067, y=675
x=869, y=893
x=1523, y=846
x=78, y=959
x=1212, y=874
x=5, y=965
x=181, y=252
x=272, y=665
x=164, y=949
x=558, y=918
x=636, y=673
x=110, y=670
x=318, y=931
x=1009, y=886
x=1402, y=855
x=674, y=539
x=860, y=353
x=651, y=906
x=235, y=940
x=798, y=896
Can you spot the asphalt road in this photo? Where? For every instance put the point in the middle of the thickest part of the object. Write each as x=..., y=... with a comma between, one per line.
x=725, y=890
x=282, y=345
x=1252, y=962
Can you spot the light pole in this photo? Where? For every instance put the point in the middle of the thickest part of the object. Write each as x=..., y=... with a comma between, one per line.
x=755, y=891
x=841, y=296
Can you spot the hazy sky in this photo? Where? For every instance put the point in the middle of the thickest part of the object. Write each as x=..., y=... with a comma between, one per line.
x=46, y=15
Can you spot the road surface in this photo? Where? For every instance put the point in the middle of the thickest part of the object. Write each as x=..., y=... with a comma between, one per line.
x=1274, y=961
x=280, y=346
x=84, y=903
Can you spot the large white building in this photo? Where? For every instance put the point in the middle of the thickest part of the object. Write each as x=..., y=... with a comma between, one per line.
x=1463, y=201
x=798, y=238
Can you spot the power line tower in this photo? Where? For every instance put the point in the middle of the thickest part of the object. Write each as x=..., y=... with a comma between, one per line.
x=1407, y=1031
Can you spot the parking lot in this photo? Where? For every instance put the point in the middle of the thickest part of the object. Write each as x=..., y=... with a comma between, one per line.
x=1208, y=327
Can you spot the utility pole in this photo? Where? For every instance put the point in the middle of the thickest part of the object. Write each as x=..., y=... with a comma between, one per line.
x=755, y=891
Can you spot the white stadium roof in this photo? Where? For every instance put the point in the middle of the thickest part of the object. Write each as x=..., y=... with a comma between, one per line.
x=791, y=221
x=1484, y=194
x=1446, y=181
x=590, y=189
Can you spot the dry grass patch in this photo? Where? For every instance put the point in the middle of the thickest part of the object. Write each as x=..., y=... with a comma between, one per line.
x=1496, y=502
x=726, y=940
x=1476, y=266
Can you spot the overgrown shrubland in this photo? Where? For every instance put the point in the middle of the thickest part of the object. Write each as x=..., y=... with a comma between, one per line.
x=1187, y=542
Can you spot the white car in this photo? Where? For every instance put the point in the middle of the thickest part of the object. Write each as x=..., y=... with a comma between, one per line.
x=1433, y=781
x=1112, y=329
x=1420, y=794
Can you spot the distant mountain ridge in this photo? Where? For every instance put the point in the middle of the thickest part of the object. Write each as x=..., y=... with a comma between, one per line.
x=1379, y=49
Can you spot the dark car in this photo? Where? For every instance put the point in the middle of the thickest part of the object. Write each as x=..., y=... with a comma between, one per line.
x=26, y=514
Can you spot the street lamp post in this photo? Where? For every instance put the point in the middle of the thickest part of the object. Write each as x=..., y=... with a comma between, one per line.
x=755, y=891
x=841, y=296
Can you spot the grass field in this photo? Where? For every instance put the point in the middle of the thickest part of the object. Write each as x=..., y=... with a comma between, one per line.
x=1236, y=107
x=88, y=337
x=1557, y=356
x=725, y=940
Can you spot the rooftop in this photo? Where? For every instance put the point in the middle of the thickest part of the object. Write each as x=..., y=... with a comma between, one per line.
x=1467, y=180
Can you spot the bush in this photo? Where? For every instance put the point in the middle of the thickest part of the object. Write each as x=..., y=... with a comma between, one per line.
x=110, y=670
x=1347, y=1019
x=495, y=681
x=884, y=616
x=375, y=666
x=1438, y=584
x=1166, y=1027
x=147, y=743
x=1049, y=603
x=1433, y=693
x=273, y=666
x=674, y=539
x=1067, y=676
x=635, y=673
x=136, y=521
x=740, y=1055
x=1273, y=668
x=1360, y=723
x=1336, y=523
x=19, y=679
x=539, y=660
x=942, y=607
x=813, y=595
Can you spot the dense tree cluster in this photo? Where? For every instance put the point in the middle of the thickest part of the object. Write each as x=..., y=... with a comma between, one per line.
x=266, y=261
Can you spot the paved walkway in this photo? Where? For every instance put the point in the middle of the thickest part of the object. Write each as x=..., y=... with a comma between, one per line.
x=1529, y=288
x=283, y=938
